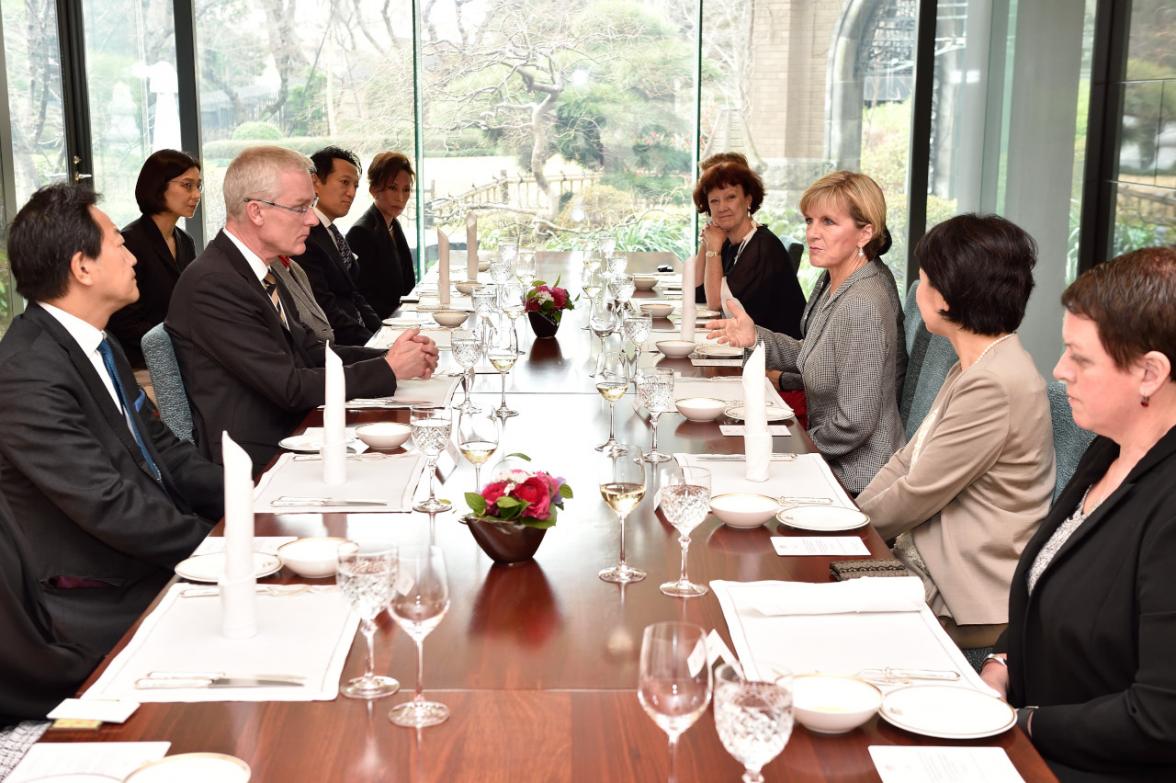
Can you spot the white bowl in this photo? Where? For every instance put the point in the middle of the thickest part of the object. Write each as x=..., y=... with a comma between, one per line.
x=676, y=349
x=467, y=286
x=644, y=282
x=700, y=408
x=451, y=318
x=828, y=704
x=384, y=435
x=315, y=558
x=744, y=509
x=657, y=309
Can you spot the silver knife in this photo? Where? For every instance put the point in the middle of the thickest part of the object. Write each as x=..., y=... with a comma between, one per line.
x=164, y=680
x=296, y=500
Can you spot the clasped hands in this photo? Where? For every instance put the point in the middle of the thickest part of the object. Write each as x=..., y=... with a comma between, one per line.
x=413, y=355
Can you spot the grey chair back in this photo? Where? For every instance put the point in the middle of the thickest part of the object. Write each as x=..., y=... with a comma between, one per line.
x=170, y=394
x=795, y=251
x=1070, y=440
x=929, y=357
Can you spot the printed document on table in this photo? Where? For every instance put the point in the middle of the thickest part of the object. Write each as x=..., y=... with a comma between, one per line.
x=914, y=764
x=827, y=546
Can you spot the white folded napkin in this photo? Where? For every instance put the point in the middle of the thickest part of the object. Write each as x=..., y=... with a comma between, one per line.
x=688, y=305
x=472, y=246
x=334, y=448
x=443, y=267
x=853, y=596
x=238, y=596
x=757, y=443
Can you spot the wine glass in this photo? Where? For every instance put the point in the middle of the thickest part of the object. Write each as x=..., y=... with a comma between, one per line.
x=477, y=438
x=611, y=384
x=511, y=303
x=754, y=718
x=366, y=580
x=525, y=267
x=467, y=350
x=430, y=433
x=622, y=485
x=621, y=288
x=655, y=392
x=419, y=602
x=502, y=352
x=602, y=322
x=675, y=680
x=685, y=501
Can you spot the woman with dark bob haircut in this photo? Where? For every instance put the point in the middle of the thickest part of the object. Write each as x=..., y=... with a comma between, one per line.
x=748, y=257
x=1088, y=654
x=168, y=189
x=381, y=249
x=964, y=495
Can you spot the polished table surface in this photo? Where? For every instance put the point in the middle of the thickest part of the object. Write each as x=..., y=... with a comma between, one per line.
x=537, y=662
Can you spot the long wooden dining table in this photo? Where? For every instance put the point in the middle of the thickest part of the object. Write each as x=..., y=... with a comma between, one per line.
x=537, y=662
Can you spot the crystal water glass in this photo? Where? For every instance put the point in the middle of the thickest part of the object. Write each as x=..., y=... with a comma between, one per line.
x=753, y=718
x=622, y=485
x=655, y=393
x=467, y=351
x=675, y=681
x=621, y=288
x=366, y=580
x=636, y=329
x=430, y=433
x=611, y=384
x=685, y=502
x=477, y=439
x=419, y=602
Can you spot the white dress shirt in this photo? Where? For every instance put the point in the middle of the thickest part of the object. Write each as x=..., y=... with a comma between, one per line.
x=88, y=338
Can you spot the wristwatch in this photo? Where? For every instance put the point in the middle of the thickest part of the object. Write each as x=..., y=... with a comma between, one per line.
x=711, y=253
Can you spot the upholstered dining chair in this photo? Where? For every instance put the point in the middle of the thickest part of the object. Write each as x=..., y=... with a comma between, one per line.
x=170, y=393
x=929, y=357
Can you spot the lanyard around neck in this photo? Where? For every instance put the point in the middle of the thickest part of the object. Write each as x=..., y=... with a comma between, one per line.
x=743, y=245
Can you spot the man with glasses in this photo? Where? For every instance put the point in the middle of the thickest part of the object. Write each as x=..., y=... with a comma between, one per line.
x=249, y=366
x=329, y=262
x=107, y=498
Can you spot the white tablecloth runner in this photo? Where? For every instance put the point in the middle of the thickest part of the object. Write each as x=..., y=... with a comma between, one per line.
x=306, y=634
x=390, y=477
x=807, y=475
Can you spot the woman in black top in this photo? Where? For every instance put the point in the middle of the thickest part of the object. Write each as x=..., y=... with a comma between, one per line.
x=753, y=261
x=168, y=189
x=381, y=249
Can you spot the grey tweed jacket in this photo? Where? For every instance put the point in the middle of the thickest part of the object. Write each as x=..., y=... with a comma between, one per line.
x=852, y=361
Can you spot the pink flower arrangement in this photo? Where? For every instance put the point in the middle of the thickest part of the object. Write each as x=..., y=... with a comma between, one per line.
x=548, y=301
x=521, y=497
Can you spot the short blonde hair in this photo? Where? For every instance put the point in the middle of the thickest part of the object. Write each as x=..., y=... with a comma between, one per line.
x=859, y=196
x=255, y=173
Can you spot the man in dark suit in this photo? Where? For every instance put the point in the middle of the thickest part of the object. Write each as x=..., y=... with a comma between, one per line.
x=328, y=261
x=250, y=368
x=107, y=497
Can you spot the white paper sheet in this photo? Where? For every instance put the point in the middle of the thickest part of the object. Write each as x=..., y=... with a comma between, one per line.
x=780, y=430
x=931, y=764
x=717, y=362
x=800, y=546
x=116, y=759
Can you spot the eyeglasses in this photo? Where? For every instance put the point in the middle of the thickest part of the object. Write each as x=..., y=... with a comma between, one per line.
x=190, y=185
x=296, y=210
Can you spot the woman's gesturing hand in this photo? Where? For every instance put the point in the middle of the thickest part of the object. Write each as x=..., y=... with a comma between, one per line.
x=738, y=330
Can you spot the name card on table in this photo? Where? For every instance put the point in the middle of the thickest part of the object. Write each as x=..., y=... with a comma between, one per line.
x=822, y=546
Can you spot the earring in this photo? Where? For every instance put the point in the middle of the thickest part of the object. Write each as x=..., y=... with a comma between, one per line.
x=1144, y=401
x=861, y=252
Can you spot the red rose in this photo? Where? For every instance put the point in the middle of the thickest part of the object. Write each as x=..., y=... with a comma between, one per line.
x=535, y=492
x=532, y=306
x=560, y=295
x=491, y=493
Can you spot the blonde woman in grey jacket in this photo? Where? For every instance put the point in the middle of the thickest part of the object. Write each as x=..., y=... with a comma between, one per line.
x=852, y=358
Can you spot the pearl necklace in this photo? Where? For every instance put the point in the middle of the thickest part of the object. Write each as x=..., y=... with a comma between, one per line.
x=990, y=346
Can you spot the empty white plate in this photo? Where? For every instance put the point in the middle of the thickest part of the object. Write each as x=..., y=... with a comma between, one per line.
x=193, y=768
x=208, y=568
x=313, y=444
x=718, y=350
x=775, y=413
x=822, y=518
x=948, y=712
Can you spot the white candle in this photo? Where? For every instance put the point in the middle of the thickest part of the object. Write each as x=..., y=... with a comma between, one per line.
x=471, y=246
x=443, y=267
x=688, y=306
x=334, y=449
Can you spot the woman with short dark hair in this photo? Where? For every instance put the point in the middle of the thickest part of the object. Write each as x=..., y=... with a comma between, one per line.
x=746, y=255
x=966, y=493
x=385, y=262
x=168, y=188
x=1087, y=657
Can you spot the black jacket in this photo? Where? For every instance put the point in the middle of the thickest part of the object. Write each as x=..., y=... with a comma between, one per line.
x=351, y=317
x=385, y=262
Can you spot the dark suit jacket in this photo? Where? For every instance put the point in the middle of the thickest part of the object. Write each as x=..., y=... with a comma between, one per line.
x=385, y=262
x=156, y=273
x=352, y=318
x=80, y=489
x=37, y=668
x=244, y=372
x=1095, y=645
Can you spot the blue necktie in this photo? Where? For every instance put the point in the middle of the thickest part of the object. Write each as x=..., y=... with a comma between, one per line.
x=128, y=406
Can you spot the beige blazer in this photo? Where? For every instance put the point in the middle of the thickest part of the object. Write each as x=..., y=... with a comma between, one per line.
x=973, y=483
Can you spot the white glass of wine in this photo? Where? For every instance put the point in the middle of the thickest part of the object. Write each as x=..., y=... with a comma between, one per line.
x=612, y=384
x=753, y=718
x=675, y=680
x=430, y=434
x=655, y=392
x=622, y=485
x=366, y=579
x=503, y=351
x=419, y=602
x=477, y=438
x=467, y=350
x=685, y=501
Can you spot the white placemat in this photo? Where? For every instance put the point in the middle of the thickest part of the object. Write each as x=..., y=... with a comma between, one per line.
x=392, y=478
x=267, y=544
x=306, y=634
x=387, y=335
x=806, y=475
x=115, y=759
x=842, y=643
x=723, y=387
